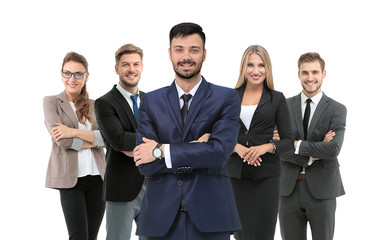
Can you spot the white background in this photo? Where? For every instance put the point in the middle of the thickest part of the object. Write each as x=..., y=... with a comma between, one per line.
x=35, y=36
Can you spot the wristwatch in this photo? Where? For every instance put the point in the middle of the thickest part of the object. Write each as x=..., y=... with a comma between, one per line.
x=157, y=152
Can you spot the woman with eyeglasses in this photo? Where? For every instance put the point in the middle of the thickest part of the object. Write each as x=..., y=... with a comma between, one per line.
x=77, y=161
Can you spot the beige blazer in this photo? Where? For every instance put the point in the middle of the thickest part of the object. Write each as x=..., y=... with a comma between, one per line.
x=62, y=170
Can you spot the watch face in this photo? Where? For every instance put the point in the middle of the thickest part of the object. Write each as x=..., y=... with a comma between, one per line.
x=157, y=153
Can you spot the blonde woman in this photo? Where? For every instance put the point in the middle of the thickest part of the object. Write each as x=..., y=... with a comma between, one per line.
x=77, y=161
x=254, y=167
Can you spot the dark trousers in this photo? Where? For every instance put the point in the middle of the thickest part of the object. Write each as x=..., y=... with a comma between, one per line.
x=83, y=208
x=301, y=207
x=184, y=229
x=257, y=203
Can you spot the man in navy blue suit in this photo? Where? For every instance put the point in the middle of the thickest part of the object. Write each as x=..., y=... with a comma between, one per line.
x=186, y=133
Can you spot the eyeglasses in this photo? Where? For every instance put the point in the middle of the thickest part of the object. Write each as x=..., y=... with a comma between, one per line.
x=77, y=75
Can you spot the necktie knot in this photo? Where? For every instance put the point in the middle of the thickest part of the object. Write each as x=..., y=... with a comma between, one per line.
x=135, y=108
x=186, y=98
x=185, y=108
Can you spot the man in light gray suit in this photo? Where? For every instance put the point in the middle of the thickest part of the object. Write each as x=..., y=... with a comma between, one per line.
x=310, y=179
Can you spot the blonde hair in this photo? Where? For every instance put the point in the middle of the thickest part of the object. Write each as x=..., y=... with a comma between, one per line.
x=82, y=103
x=267, y=64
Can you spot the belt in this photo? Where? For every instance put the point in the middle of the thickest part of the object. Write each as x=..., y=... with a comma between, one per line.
x=301, y=176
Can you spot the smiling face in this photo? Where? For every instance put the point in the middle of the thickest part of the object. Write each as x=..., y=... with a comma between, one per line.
x=72, y=85
x=129, y=70
x=255, y=72
x=311, y=76
x=187, y=55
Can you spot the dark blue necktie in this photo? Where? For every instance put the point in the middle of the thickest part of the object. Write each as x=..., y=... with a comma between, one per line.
x=135, y=108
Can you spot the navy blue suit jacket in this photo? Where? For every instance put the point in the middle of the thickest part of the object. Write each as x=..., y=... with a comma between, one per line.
x=198, y=172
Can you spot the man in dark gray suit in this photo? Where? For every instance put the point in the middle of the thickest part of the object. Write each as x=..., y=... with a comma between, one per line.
x=310, y=180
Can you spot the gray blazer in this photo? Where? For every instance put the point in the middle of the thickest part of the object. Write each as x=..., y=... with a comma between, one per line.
x=62, y=170
x=323, y=176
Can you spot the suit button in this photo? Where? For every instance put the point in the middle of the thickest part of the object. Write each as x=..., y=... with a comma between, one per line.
x=180, y=182
x=246, y=132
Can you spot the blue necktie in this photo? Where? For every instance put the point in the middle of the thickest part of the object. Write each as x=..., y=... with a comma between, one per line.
x=135, y=108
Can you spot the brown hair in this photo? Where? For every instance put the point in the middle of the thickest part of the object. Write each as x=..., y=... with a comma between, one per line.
x=127, y=49
x=267, y=64
x=82, y=103
x=311, y=57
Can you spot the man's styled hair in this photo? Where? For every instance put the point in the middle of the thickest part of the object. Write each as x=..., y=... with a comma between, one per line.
x=127, y=49
x=311, y=57
x=186, y=29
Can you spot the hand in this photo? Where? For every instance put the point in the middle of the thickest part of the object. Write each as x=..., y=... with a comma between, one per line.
x=62, y=131
x=276, y=136
x=204, y=138
x=241, y=150
x=143, y=152
x=128, y=153
x=329, y=136
x=254, y=153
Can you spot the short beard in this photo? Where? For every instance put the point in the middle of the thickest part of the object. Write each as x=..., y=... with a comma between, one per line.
x=127, y=84
x=194, y=74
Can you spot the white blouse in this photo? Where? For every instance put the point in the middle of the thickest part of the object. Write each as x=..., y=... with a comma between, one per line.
x=86, y=162
x=246, y=114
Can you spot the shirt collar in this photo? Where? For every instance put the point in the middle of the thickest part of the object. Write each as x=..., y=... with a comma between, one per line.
x=192, y=92
x=124, y=92
x=315, y=99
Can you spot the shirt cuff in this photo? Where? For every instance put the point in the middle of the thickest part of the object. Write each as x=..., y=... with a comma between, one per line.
x=298, y=146
x=77, y=144
x=98, y=141
x=310, y=161
x=167, y=156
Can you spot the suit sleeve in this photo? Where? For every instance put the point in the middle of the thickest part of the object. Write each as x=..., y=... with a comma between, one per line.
x=146, y=128
x=111, y=128
x=51, y=116
x=210, y=155
x=221, y=143
x=286, y=142
x=328, y=150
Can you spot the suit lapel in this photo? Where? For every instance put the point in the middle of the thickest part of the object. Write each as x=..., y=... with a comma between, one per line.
x=172, y=102
x=322, y=105
x=297, y=111
x=265, y=98
x=65, y=105
x=200, y=97
x=122, y=102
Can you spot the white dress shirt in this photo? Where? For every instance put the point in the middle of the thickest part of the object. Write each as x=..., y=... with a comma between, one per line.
x=86, y=163
x=313, y=105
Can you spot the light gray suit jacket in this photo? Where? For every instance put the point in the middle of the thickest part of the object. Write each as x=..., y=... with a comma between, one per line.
x=62, y=170
x=323, y=176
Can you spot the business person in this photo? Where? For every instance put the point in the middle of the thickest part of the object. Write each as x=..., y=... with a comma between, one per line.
x=254, y=167
x=189, y=195
x=310, y=179
x=77, y=161
x=116, y=111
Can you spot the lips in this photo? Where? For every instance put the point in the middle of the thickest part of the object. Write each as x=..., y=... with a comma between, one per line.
x=72, y=85
x=256, y=77
x=186, y=64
